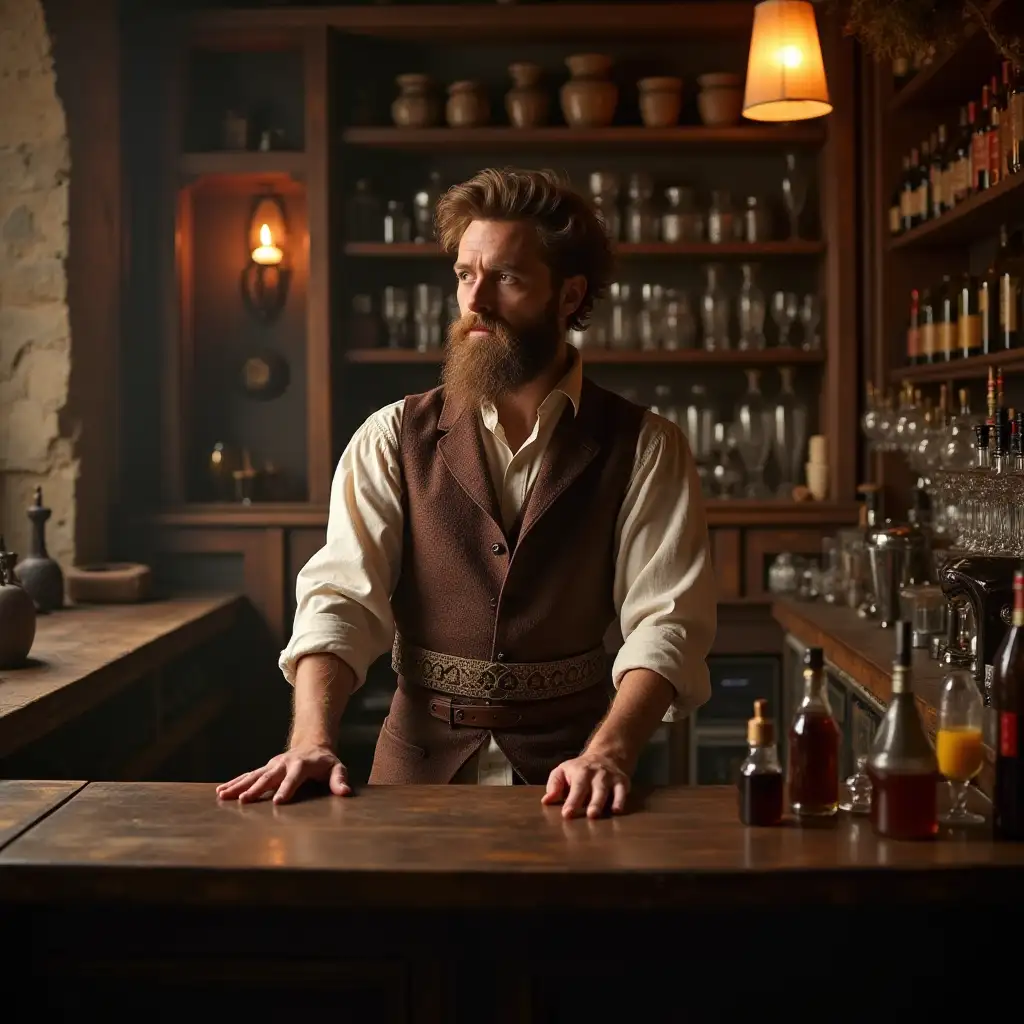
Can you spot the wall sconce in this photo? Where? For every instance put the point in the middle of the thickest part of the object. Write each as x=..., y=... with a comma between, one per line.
x=266, y=277
x=785, y=71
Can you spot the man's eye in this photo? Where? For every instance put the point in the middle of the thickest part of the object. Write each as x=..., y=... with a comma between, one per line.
x=462, y=275
x=507, y=279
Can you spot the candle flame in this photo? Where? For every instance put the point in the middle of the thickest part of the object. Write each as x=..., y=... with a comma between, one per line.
x=265, y=237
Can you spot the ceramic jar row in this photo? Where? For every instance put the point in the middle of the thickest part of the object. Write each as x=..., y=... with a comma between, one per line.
x=588, y=100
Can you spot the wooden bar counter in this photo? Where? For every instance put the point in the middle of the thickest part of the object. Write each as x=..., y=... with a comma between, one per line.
x=465, y=903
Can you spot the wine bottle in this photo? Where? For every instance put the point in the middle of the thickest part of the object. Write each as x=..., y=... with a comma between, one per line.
x=968, y=325
x=814, y=746
x=908, y=200
x=938, y=173
x=979, y=142
x=1007, y=699
x=995, y=138
x=914, y=329
x=898, y=203
x=1009, y=267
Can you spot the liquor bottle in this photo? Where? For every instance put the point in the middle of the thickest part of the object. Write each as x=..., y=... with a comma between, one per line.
x=946, y=302
x=923, y=205
x=979, y=142
x=902, y=767
x=1007, y=695
x=968, y=324
x=761, y=782
x=908, y=201
x=938, y=173
x=914, y=329
x=814, y=746
x=988, y=307
x=1009, y=267
x=927, y=331
x=1015, y=132
x=995, y=136
x=960, y=165
x=897, y=204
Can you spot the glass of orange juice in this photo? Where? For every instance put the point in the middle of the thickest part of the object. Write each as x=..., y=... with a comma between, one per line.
x=958, y=746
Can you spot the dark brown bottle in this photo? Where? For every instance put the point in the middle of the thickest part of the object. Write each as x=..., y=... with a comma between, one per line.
x=814, y=746
x=988, y=307
x=995, y=135
x=1008, y=704
x=938, y=173
x=980, y=178
x=928, y=331
x=960, y=165
x=761, y=782
x=908, y=201
x=914, y=329
x=1015, y=131
x=968, y=324
x=899, y=201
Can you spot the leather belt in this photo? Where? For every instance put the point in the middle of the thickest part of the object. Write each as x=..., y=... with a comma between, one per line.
x=488, y=716
x=501, y=680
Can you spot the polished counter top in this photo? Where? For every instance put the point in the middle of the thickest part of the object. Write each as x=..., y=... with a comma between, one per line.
x=450, y=847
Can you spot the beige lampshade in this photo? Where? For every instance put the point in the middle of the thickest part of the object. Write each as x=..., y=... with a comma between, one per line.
x=785, y=72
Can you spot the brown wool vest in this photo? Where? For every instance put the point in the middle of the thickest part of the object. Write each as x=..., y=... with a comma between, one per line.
x=468, y=589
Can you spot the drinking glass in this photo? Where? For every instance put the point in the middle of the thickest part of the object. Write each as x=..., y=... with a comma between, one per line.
x=794, y=193
x=958, y=742
x=810, y=318
x=785, y=309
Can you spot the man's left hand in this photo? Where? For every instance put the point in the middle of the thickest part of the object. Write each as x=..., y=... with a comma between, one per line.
x=586, y=783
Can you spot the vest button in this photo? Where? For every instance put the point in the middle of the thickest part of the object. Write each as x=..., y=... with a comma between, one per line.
x=498, y=549
x=494, y=602
x=500, y=655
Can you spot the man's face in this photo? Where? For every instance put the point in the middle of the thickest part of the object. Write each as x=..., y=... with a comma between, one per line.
x=512, y=318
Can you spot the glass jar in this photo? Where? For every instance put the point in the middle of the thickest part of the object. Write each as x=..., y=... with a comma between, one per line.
x=751, y=310
x=681, y=222
x=782, y=574
x=679, y=328
x=604, y=193
x=714, y=310
x=721, y=219
x=621, y=316
x=641, y=215
x=651, y=317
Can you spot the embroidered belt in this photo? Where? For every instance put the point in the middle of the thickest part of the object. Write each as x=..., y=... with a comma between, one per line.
x=503, y=680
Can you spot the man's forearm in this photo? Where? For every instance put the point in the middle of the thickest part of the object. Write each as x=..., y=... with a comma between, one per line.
x=637, y=710
x=323, y=685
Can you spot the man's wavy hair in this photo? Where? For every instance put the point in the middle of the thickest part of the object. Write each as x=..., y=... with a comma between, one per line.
x=571, y=233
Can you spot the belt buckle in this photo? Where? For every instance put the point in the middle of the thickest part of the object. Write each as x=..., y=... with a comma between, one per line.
x=455, y=714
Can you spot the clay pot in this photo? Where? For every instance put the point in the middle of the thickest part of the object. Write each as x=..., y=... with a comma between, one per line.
x=526, y=103
x=416, y=105
x=467, y=106
x=720, y=100
x=661, y=100
x=17, y=615
x=589, y=97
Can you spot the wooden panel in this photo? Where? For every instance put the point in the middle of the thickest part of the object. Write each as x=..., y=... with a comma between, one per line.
x=746, y=627
x=263, y=557
x=23, y=802
x=725, y=556
x=763, y=545
x=302, y=545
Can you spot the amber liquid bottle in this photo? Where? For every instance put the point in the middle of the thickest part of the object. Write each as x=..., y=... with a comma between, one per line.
x=760, y=782
x=1008, y=704
x=902, y=767
x=814, y=746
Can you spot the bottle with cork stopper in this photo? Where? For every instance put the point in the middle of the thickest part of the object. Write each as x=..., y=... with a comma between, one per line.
x=760, y=781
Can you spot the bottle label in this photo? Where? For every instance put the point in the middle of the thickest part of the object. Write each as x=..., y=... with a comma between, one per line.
x=995, y=155
x=947, y=336
x=979, y=161
x=905, y=210
x=1008, y=734
x=1009, y=300
x=922, y=200
x=926, y=339
x=895, y=222
x=913, y=342
x=969, y=332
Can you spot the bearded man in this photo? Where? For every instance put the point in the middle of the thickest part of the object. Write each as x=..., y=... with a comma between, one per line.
x=495, y=531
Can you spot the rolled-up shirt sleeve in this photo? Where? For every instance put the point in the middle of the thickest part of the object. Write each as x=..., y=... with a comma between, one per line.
x=664, y=584
x=343, y=593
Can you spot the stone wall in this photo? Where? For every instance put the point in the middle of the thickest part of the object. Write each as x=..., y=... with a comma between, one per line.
x=35, y=341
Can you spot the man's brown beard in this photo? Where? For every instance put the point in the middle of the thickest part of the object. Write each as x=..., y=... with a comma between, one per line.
x=487, y=367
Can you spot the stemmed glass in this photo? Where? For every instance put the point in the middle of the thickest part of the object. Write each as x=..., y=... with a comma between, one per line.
x=810, y=318
x=958, y=742
x=785, y=308
x=396, y=315
x=794, y=193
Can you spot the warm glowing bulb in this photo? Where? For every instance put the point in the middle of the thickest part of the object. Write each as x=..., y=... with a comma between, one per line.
x=790, y=57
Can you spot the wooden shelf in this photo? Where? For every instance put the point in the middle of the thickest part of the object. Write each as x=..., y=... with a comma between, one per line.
x=977, y=217
x=484, y=22
x=242, y=164
x=691, y=357
x=799, y=247
x=721, y=512
x=635, y=136
x=957, y=76
x=1012, y=361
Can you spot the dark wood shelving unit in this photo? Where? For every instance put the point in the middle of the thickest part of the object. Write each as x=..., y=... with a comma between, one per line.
x=951, y=77
x=976, y=217
x=963, y=369
x=703, y=250
x=230, y=164
x=626, y=136
x=691, y=357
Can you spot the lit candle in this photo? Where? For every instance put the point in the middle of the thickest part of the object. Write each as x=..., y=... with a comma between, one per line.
x=267, y=254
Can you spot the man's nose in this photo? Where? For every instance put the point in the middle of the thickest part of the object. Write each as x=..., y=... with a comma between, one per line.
x=478, y=300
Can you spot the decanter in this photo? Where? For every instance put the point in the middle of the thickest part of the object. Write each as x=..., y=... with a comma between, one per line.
x=751, y=311
x=714, y=310
x=38, y=573
x=789, y=434
x=754, y=435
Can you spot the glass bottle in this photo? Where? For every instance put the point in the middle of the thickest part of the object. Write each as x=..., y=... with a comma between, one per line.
x=621, y=318
x=969, y=332
x=1015, y=132
x=902, y=766
x=698, y=423
x=665, y=403
x=898, y=204
x=946, y=301
x=651, y=316
x=604, y=191
x=363, y=214
x=754, y=435
x=814, y=746
x=721, y=221
x=680, y=222
x=714, y=310
x=751, y=311
x=1008, y=704
x=641, y=216
x=937, y=174
x=756, y=221
x=760, y=781
x=424, y=202
x=679, y=328
x=397, y=226
x=789, y=419
x=1009, y=269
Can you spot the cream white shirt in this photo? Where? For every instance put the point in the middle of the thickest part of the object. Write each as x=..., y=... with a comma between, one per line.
x=664, y=592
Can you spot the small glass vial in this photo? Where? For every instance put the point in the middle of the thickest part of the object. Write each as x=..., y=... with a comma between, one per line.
x=760, y=782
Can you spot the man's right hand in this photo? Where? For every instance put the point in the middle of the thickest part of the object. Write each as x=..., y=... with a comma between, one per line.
x=285, y=773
